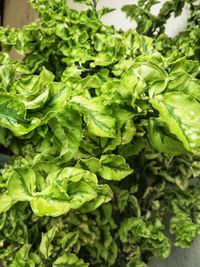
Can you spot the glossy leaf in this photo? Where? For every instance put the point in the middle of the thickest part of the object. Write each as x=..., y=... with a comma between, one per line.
x=114, y=167
x=181, y=114
x=98, y=118
x=70, y=260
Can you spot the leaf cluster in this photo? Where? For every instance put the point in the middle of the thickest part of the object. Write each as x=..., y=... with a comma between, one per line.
x=100, y=139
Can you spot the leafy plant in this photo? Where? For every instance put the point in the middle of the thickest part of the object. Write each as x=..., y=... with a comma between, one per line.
x=102, y=138
x=186, y=43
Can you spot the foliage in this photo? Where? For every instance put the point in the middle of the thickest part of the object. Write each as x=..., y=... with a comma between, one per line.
x=185, y=43
x=102, y=138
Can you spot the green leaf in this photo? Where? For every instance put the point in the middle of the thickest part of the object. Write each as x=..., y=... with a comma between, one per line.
x=12, y=115
x=69, y=189
x=110, y=144
x=7, y=75
x=66, y=127
x=105, y=248
x=181, y=113
x=129, y=130
x=158, y=243
x=69, y=260
x=22, y=184
x=105, y=194
x=38, y=91
x=22, y=257
x=6, y=202
x=45, y=246
x=65, y=189
x=122, y=199
x=98, y=118
x=161, y=140
x=132, y=230
x=114, y=167
x=184, y=229
x=92, y=164
x=69, y=240
x=149, y=69
x=133, y=148
x=38, y=101
x=136, y=263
